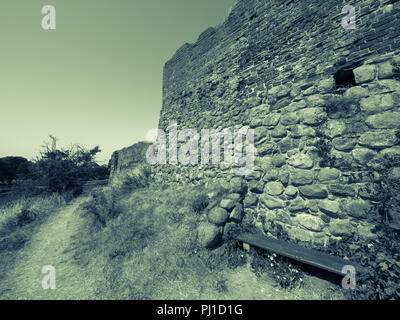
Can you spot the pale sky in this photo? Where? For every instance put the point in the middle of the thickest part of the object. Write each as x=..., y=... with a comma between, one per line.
x=97, y=78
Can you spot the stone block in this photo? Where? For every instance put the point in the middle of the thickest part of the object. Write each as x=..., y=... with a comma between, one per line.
x=365, y=73
x=378, y=139
x=312, y=116
x=310, y=222
x=301, y=161
x=313, y=192
x=299, y=177
x=218, y=216
x=271, y=202
x=274, y=188
x=385, y=120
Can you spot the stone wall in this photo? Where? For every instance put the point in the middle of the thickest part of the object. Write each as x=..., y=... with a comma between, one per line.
x=323, y=101
x=264, y=44
x=128, y=157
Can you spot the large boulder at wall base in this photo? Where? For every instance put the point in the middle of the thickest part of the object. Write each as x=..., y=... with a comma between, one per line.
x=208, y=235
x=218, y=216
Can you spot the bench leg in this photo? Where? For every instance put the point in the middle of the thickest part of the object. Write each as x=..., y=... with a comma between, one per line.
x=246, y=247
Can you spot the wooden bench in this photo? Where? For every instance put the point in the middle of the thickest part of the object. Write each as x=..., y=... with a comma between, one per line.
x=308, y=256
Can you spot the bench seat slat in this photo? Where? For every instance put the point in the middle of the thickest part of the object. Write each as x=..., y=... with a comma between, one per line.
x=308, y=256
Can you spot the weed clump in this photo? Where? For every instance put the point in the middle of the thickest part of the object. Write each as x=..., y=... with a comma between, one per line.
x=339, y=106
x=25, y=211
x=388, y=190
x=324, y=150
x=103, y=206
x=200, y=203
x=280, y=269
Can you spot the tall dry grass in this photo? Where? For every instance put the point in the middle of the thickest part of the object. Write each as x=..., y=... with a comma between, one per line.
x=17, y=213
x=149, y=249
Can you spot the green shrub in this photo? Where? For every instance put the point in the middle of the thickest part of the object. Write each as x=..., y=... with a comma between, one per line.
x=379, y=261
x=13, y=167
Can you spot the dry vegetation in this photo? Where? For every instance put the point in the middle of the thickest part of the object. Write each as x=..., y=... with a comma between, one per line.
x=17, y=215
x=145, y=243
x=148, y=245
x=132, y=240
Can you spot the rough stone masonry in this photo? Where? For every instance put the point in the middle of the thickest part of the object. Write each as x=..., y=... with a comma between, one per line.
x=323, y=101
